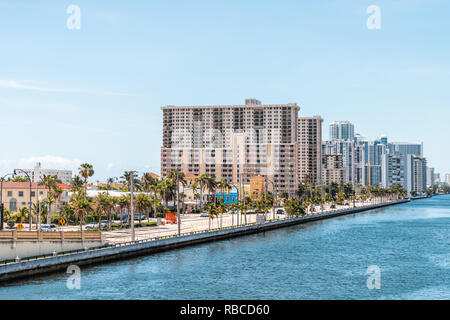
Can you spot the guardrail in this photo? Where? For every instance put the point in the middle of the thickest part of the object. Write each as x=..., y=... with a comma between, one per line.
x=266, y=223
x=52, y=236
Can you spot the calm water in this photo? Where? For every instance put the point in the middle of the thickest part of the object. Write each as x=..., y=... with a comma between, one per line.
x=323, y=260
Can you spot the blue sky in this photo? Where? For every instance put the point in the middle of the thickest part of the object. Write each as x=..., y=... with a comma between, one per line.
x=94, y=94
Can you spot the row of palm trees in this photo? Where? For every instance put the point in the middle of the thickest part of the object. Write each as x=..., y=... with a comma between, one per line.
x=154, y=195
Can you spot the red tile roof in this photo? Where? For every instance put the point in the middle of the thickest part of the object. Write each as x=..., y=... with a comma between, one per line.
x=154, y=175
x=26, y=185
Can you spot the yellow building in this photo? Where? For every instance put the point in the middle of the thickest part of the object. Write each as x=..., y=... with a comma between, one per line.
x=16, y=195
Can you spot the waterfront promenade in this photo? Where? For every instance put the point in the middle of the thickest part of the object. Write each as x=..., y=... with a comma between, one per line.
x=323, y=259
x=121, y=250
x=195, y=223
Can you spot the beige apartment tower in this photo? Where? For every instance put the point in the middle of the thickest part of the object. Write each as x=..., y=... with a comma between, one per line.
x=234, y=142
x=332, y=169
x=310, y=150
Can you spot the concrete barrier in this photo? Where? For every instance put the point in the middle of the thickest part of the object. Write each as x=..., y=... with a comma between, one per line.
x=123, y=251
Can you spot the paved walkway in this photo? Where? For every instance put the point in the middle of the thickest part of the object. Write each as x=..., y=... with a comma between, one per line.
x=193, y=222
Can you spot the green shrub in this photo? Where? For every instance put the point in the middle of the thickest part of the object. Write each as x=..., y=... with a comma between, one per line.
x=55, y=218
x=11, y=223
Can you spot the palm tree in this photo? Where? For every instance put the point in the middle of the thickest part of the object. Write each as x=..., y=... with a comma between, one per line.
x=22, y=213
x=124, y=203
x=155, y=189
x=76, y=183
x=126, y=179
x=211, y=185
x=86, y=171
x=102, y=205
x=211, y=209
x=194, y=188
x=50, y=182
x=202, y=182
x=81, y=205
x=142, y=204
x=177, y=178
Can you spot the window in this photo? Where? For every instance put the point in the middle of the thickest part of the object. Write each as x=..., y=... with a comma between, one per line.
x=20, y=193
x=33, y=193
x=13, y=205
x=10, y=193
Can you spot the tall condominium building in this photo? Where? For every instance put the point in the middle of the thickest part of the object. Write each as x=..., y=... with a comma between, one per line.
x=393, y=170
x=37, y=173
x=310, y=150
x=345, y=148
x=406, y=148
x=360, y=165
x=447, y=178
x=332, y=169
x=342, y=130
x=430, y=176
x=437, y=178
x=416, y=174
x=234, y=142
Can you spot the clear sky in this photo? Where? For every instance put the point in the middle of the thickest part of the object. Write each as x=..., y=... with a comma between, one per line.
x=94, y=94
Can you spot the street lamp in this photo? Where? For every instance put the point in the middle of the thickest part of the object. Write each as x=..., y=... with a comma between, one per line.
x=132, y=173
x=29, y=178
x=2, y=209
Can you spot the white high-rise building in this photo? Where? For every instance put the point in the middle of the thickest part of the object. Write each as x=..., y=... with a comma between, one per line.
x=393, y=170
x=37, y=173
x=447, y=178
x=347, y=150
x=430, y=176
x=342, y=130
x=416, y=174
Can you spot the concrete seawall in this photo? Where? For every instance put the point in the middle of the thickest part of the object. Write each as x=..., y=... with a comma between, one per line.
x=118, y=252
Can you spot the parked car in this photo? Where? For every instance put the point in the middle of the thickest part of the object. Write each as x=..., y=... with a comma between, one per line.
x=91, y=225
x=48, y=227
x=347, y=203
x=104, y=224
x=333, y=206
x=136, y=217
x=280, y=211
x=204, y=214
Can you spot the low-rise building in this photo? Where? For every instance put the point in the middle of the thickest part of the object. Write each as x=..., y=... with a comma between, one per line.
x=16, y=195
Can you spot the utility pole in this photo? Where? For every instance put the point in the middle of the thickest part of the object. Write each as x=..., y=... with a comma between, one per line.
x=132, y=206
x=178, y=204
x=1, y=216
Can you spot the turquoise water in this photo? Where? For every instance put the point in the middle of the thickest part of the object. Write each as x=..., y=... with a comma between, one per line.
x=328, y=259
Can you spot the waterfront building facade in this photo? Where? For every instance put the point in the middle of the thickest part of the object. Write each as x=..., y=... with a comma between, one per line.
x=345, y=148
x=416, y=175
x=332, y=169
x=234, y=142
x=16, y=195
x=310, y=150
x=393, y=170
x=447, y=178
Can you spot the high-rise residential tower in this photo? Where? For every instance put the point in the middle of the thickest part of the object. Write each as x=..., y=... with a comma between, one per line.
x=310, y=150
x=342, y=130
x=234, y=142
x=332, y=169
